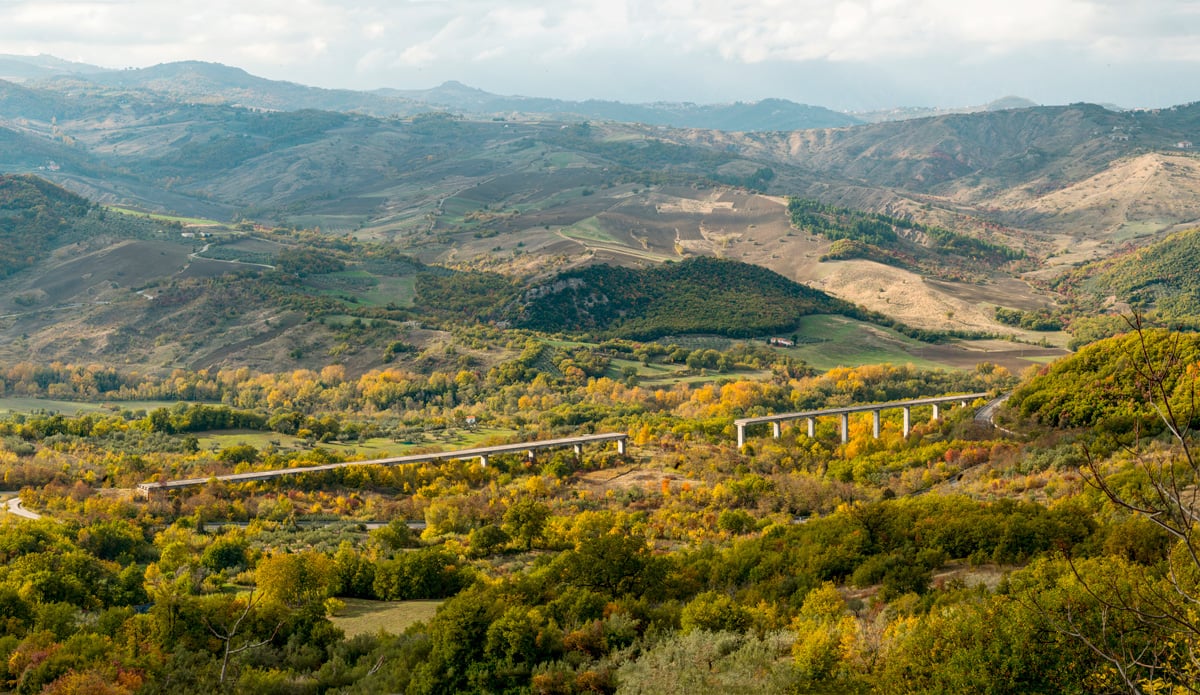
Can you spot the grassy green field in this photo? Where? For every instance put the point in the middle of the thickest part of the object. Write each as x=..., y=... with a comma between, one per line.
x=645, y=372
x=18, y=404
x=330, y=223
x=589, y=230
x=665, y=375
x=565, y=159
x=259, y=440
x=392, y=290
x=1043, y=359
x=850, y=343
x=363, y=617
x=1132, y=230
x=195, y=221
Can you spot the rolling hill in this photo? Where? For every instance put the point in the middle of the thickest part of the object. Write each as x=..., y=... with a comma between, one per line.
x=1160, y=277
x=85, y=284
x=37, y=217
x=531, y=198
x=698, y=295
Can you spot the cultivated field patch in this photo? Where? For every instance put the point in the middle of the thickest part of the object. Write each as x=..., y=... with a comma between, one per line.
x=365, y=617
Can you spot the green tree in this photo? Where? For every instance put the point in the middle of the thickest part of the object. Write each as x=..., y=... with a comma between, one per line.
x=616, y=563
x=485, y=540
x=229, y=624
x=525, y=520
x=300, y=581
x=715, y=612
x=1142, y=620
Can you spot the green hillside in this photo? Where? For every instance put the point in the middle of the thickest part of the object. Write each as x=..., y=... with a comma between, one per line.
x=897, y=241
x=698, y=295
x=1103, y=386
x=36, y=217
x=1160, y=276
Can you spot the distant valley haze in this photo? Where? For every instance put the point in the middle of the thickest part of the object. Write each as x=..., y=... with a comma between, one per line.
x=846, y=56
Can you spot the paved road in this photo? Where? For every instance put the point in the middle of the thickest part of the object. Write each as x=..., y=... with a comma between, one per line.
x=197, y=256
x=14, y=506
x=987, y=414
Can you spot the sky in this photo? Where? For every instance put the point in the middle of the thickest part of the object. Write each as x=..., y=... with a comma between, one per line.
x=843, y=54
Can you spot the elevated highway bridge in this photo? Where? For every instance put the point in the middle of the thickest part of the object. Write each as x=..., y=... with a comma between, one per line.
x=844, y=413
x=481, y=453
x=577, y=443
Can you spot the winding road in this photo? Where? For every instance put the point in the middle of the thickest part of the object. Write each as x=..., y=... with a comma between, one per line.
x=987, y=414
x=15, y=507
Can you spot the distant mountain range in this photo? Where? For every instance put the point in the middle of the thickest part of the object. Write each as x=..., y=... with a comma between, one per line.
x=911, y=112
x=215, y=83
x=212, y=83
x=765, y=115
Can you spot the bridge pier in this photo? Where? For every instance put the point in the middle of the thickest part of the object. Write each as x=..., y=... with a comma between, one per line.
x=578, y=450
x=482, y=454
x=876, y=410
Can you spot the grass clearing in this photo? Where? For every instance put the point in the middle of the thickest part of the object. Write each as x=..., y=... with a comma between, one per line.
x=565, y=159
x=850, y=343
x=365, y=617
x=20, y=404
x=189, y=221
x=1043, y=359
x=221, y=439
x=353, y=275
x=400, y=291
x=710, y=377
x=589, y=230
x=1134, y=230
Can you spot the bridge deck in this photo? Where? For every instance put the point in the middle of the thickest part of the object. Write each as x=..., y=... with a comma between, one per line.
x=477, y=452
x=784, y=417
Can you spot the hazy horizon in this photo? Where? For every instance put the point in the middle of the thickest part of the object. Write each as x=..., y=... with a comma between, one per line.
x=847, y=55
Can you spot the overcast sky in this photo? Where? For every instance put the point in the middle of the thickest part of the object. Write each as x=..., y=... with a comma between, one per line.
x=843, y=54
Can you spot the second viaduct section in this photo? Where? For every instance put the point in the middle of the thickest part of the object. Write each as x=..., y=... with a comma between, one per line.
x=874, y=408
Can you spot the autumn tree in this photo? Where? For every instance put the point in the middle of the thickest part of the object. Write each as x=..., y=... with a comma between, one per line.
x=1142, y=620
x=525, y=520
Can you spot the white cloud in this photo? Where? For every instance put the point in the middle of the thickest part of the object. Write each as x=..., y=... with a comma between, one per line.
x=368, y=43
x=416, y=56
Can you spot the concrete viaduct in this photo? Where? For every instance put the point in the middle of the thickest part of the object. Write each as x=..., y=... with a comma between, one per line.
x=481, y=453
x=873, y=408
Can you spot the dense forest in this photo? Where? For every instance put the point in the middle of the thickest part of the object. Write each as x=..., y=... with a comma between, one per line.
x=897, y=241
x=963, y=558
x=1157, y=277
x=36, y=217
x=697, y=295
